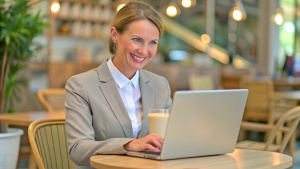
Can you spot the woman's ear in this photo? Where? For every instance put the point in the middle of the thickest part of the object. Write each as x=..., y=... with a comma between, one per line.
x=113, y=33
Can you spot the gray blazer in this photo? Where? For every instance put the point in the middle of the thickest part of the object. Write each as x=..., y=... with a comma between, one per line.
x=97, y=121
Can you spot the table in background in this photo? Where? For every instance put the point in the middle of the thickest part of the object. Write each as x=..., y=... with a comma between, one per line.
x=25, y=119
x=287, y=83
x=240, y=158
x=289, y=95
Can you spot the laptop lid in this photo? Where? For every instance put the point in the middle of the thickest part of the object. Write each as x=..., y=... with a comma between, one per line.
x=202, y=123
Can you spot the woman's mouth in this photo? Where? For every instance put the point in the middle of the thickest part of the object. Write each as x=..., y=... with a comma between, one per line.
x=137, y=58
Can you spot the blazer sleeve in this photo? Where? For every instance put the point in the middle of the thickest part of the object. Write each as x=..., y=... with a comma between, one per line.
x=169, y=100
x=79, y=127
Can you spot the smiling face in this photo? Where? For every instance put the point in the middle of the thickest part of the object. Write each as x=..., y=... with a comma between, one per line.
x=135, y=47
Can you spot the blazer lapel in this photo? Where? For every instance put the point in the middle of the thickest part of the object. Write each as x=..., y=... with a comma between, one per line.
x=111, y=93
x=147, y=101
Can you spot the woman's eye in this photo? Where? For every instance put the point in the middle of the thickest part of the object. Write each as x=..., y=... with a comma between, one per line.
x=153, y=43
x=136, y=39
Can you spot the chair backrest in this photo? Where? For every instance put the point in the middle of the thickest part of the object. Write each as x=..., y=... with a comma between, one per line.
x=53, y=99
x=48, y=142
x=291, y=119
x=201, y=82
x=260, y=91
x=259, y=98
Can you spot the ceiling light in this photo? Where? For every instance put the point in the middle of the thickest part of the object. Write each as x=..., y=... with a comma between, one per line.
x=278, y=18
x=238, y=12
x=173, y=10
x=187, y=3
x=55, y=7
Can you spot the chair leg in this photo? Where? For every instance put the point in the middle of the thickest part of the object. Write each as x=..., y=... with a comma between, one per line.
x=292, y=144
x=32, y=163
x=278, y=137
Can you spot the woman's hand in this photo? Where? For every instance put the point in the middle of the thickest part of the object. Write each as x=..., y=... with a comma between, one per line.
x=150, y=142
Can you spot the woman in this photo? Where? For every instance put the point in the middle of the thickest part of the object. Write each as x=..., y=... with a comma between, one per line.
x=106, y=108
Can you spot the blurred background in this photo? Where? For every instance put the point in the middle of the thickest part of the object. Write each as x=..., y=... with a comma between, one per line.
x=222, y=38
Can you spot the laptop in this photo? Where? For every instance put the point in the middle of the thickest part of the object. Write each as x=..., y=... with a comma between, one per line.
x=201, y=123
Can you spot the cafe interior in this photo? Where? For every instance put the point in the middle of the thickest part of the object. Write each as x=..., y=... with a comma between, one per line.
x=207, y=45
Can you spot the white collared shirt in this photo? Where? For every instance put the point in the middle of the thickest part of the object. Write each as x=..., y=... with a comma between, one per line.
x=131, y=95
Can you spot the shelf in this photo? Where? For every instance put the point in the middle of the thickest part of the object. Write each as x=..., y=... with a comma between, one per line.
x=89, y=2
x=37, y=66
x=78, y=37
x=82, y=19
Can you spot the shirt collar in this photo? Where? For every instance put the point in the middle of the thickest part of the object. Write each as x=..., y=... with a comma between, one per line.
x=119, y=78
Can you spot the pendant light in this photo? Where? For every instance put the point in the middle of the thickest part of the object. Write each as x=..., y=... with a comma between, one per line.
x=238, y=12
x=55, y=7
x=278, y=17
x=173, y=10
x=187, y=3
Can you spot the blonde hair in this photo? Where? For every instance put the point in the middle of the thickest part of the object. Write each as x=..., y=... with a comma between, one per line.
x=131, y=12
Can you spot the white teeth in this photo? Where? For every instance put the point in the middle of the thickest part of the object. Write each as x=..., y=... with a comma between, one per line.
x=140, y=59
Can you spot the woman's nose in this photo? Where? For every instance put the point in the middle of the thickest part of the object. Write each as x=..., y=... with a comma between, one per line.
x=143, y=50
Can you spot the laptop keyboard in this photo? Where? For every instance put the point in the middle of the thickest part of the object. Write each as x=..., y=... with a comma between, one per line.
x=149, y=152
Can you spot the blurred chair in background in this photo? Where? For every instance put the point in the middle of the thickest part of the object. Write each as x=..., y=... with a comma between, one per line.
x=53, y=99
x=287, y=125
x=263, y=105
x=201, y=82
x=49, y=144
x=259, y=98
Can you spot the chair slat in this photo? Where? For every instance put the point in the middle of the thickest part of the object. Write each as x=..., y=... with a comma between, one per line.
x=38, y=139
x=56, y=146
x=45, y=147
x=51, y=146
x=63, y=146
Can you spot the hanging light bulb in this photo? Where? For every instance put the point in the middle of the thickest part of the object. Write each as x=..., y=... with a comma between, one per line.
x=173, y=10
x=187, y=3
x=55, y=7
x=238, y=12
x=278, y=18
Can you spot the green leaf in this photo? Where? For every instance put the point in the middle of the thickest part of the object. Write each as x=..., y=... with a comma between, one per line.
x=7, y=39
x=22, y=38
x=24, y=31
x=2, y=36
x=11, y=111
x=2, y=24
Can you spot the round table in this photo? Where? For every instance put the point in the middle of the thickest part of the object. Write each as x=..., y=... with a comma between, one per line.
x=240, y=158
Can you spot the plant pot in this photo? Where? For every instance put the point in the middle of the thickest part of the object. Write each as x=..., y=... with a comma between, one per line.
x=9, y=148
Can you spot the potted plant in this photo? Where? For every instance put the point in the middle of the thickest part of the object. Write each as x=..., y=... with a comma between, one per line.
x=18, y=27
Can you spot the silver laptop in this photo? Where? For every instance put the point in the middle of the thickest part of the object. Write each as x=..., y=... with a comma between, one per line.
x=201, y=123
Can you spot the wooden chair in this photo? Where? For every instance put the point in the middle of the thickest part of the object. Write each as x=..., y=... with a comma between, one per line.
x=259, y=98
x=262, y=104
x=290, y=119
x=53, y=99
x=49, y=145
